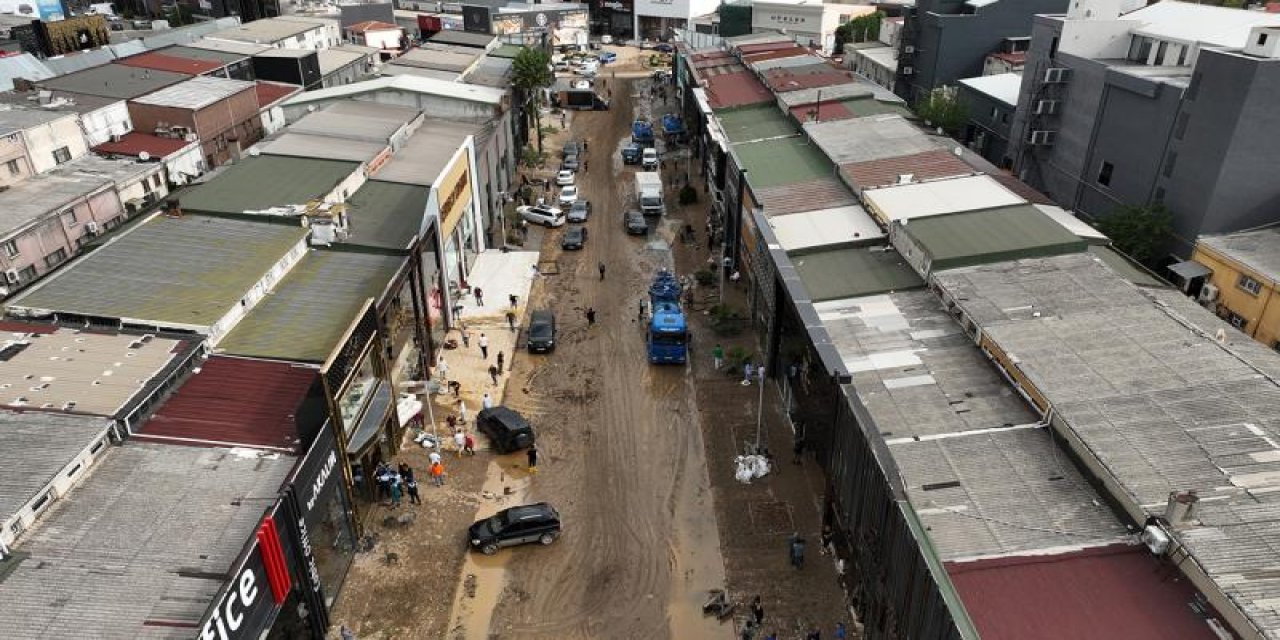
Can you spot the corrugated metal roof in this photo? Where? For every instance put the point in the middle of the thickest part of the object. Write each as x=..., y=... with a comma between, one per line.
x=234, y=402
x=989, y=235
x=808, y=77
x=735, y=90
x=188, y=271
x=114, y=81
x=260, y=183
x=305, y=317
x=440, y=57
x=196, y=93
x=73, y=62
x=806, y=195
x=215, y=55
x=134, y=143
x=755, y=122
x=170, y=62
x=386, y=215
x=1091, y=593
x=35, y=449
x=269, y=30
x=463, y=38
x=242, y=48
x=269, y=93
x=407, y=83
x=927, y=165
x=427, y=153
x=921, y=199
x=24, y=66
x=873, y=138
x=853, y=272
x=166, y=521
x=824, y=228
x=1019, y=187
x=356, y=120
x=305, y=145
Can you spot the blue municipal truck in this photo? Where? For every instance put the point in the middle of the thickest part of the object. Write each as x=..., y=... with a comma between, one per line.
x=668, y=332
x=642, y=133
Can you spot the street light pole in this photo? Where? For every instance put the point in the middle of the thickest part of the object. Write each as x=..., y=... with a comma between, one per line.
x=759, y=406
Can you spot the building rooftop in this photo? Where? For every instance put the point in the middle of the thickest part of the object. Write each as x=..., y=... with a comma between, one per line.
x=55, y=101
x=779, y=59
x=72, y=371
x=333, y=59
x=858, y=88
x=755, y=122
x=921, y=199
x=1003, y=87
x=881, y=55
x=114, y=81
x=24, y=66
x=852, y=272
x=989, y=235
x=171, y=61
x=463, y=39
x=35, y=449
x=439, y=57
x=1120, y=586
x=1188, y=22
x=1156, y=401
x=501, y=51
x=822, y=74
x=80, y=60
x=1259, y=251
x=219, y=56
x=491, y=72
x=871, y=138
x=25, y=202
x=847, y=109
x=372, y=25
x=133, y=143
x=244, y=49
x=268, y=30
x=386, y=215
x=393, y=70
x=926, y=165
x=295, y=54
x=356, y=120
x=736, y=89
x=306, y=145
x=255, y=184
x=825, y=228
x=234, y=402
x=782, y=161
x=427, y=153
x=187, y=272
x=15, y=120
x=409, y=84
x=305, y=317
x=269, y=93
x=187, y=512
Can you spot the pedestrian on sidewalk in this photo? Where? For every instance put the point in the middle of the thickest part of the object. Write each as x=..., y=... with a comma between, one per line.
x=511, y=320
x=457, y=310
x=757, y=611
x=459, y=442
x=395, y=492
x=717, y=356
x=466, y=339
x=601, y=268
x=748, y=370
x=484, y=345
x=406, y=472
x=452, y=421
x=437, y=474
x=591, y=316
x=462, y=412
x=486, y=402
x=479, y=296
x=456, y=388
x=825, y=540
x=433, y=457
x=412, y=486
x=442, y=368
x=469, y=445
x=796, y=545
x=493, y=375
x=501, y=359
x=532, y=455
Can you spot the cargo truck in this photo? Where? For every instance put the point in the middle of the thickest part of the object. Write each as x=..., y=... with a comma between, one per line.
x=649, y=193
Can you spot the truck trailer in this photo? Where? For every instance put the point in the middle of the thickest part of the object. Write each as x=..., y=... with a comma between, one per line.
x=649, y=193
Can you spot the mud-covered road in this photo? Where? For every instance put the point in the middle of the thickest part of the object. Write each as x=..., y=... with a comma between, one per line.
x=623, y=458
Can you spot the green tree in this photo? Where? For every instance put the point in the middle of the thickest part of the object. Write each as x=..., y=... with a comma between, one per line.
x=864, y=28
x=178, y=15
x=943, y=108
x=531, y=72
x=1140, y=232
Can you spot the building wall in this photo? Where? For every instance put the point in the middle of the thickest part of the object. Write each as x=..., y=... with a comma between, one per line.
x=101, y=124
x=183, y=166
x=43, y=140
x=1255, y=314
x=871, y=68
x=150, y=187
x=990, y=123
x=13, y=150
x=386, y=39
x=272, y=120
x=56, y=237
x=229, y=125
x=353, y=72
x=150, y=118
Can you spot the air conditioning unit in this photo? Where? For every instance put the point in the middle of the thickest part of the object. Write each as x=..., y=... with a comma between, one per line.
x=1042, y=137
x=92, y=227
x=1046, y=107
x=190, y=137
x=906, y=71
x=115, y=137
x=1208, y=293
x=1057, y=75
x=1156, y=539
x=11, y=276
x=909, y=49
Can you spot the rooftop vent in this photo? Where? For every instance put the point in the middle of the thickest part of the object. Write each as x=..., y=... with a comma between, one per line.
x=1182, y=507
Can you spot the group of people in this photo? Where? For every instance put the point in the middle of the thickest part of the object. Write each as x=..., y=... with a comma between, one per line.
x=394, y=483
x=755, y=622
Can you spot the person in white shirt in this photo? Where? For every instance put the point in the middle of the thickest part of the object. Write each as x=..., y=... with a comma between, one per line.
x=460, y=439
x=434, y=456
x=486, y=402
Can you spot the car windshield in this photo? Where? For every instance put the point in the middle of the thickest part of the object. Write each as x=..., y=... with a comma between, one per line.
x=496, y=523
x=579, y=206
x=540, y=330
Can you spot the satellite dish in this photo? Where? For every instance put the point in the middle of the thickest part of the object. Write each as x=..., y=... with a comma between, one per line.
x=144, y=156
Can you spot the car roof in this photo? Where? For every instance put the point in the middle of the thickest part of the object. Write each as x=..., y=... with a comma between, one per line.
x=542, y=314
x=508, y=417
x=538, y=509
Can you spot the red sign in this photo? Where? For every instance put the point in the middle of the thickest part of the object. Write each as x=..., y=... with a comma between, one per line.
x=273, y=558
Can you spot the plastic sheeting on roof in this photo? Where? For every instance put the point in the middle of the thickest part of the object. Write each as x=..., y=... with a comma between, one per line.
x=24, y=66
x=62, y=65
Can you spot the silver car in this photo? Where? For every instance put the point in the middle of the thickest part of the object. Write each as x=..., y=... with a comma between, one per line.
x=579, y=211
x=545, y=216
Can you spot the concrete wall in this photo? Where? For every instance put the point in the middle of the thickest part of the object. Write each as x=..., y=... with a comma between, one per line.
x=63, y=228
x=43, y=140
x=990, y=123
x=101, y=124
x=183, y=166
x=13, y=150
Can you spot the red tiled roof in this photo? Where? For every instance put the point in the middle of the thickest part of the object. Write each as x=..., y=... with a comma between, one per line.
x=134, y=143
x=782, y=80
x=767, y=46
x=923, y=166
x=822, y=193
x=1012, y=58
x=371, y=25
x=826, y=111
x=735, y=90
x=234, y=402
x=10, y=326
x=711, y=56
x=270, y=93
x=166, y=62
x=1118, y=591
x=1019, y=187
x=776, y=53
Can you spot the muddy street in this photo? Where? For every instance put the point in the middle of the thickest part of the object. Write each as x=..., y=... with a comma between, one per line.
x=624, y=455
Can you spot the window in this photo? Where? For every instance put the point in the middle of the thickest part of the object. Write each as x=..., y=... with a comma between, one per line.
x=70, y=216
x=1169, y=162
x=1053, y=47
x=157, y=180
x=1238, y=321
x=1182, y=55
x=62, y=155
x=11, y=249
x=27, y=274
x=1249, y=284
x=1180, y=129
x=1104, y=174
x=14, y=167
x=1161, y=51
x=54, y=259
x=1139, y=49
x=1262, y=39
x=146, y=185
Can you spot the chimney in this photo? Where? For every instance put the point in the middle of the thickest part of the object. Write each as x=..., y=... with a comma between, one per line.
x=1182, y=508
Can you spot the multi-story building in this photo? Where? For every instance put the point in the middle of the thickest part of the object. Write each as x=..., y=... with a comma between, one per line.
x=285, y=32
x=1243, y=281
x=222, y=114
x=1168, y=104
x=945, y=40
x=48, y=139
x=811, y=24
x=991, y=102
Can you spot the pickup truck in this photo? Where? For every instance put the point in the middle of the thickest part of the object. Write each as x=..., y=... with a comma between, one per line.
x=631, y=154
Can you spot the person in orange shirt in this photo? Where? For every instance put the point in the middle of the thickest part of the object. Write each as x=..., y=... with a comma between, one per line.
x=437, y=474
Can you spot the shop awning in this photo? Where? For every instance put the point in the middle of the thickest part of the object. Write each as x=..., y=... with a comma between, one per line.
x=366, y=430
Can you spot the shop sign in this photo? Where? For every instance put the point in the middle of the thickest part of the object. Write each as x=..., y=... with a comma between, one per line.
x=256, y=591
x=455, y=194
x=787, y=20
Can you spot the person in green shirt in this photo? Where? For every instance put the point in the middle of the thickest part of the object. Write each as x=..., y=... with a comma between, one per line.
x=717, y=356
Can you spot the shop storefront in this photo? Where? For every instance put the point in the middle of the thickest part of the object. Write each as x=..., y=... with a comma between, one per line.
x=262, y=597
x=529, y=26
x=434, y=283
x=454, y=198
x=613, y=18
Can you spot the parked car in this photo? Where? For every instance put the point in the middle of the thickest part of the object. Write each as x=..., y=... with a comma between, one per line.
x=606, y=39
x=631, y=154
x=507, y=430
x=571, y=148
x=568, y=195
x=525, y=524
x=545, y=216
x=664, y=47
x=579, y=211
x=580, y=84
x=570, y=163
x=541, y=336
x=649, y=159
x=574, y=239
x=608, y=56
x=635, y=224
x=560, y=66
x=565, y=177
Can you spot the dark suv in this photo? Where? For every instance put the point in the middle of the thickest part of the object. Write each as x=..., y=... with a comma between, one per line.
x=542, y=331
x=538, y=522
x=507, y=429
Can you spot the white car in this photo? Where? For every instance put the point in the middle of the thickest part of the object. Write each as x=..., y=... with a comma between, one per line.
x=568, y=195
x=606, y=39
x=581, y=84
x=564, y=178
x=545, y=216
x=649, y=159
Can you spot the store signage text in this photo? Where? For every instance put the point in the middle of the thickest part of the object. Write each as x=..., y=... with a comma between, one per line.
x=788, y=19
x=229, y=614
x=312, y=570
x=455, y=193
x=321, y=479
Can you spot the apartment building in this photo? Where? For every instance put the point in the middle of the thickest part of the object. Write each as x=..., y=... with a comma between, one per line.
x=1243, y=281
x=222, y=114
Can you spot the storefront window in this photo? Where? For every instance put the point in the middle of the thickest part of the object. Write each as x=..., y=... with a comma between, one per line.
x=352, y=401
x=469, y=240
x=435, y=296
x=332, y=542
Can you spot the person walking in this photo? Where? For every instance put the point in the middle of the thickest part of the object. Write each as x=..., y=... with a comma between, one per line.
x=395, y=492
x=717, y=356
x=406, y=472
x=601, y=268
x=479, y=296
x=469, y=445
x=459, y=441
x=532, y=455
x=512, y=299
x=591, y=316
x=486, y=402
x=452, y=421
x=442, y=368
x=501, y=360
x=437, y=474
x=493, y=374
x=466, y=339
x=433, y=458
x=796, y=545
x=412, y=486
x=462, y=412
x=757, y=611
x=747, y=370
x=511, y=320
x=484, y=346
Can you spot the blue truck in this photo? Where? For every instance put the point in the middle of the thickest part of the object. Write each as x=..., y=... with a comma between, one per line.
x=667, y=335
x=642, y=133
x=673, y=126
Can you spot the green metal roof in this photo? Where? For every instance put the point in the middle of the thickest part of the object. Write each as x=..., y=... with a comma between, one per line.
x=266, y=181
x=990, y=235
x=755, y=122
x=775, y=163
x=1127, y=269
x=869, y=106
x=849, y=273
x=190, y=270
x=506, y=51
x=307, y=314
x=386, y=215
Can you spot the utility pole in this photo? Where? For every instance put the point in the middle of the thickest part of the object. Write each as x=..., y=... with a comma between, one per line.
x=759, y=406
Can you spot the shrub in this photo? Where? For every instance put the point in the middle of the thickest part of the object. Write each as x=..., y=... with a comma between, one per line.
x=688, y=195
x=726, y=321
x=704, y=277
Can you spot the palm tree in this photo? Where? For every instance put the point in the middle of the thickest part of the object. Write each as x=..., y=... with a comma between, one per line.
x=530, y=72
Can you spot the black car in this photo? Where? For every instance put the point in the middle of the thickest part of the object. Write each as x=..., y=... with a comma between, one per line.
x=542, y=331
x=574, y=239
x=525, y=524
x=507, y=430
x=635, y=223
x=579, y=211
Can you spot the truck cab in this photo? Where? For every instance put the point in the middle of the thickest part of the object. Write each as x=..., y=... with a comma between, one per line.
x=649, y=159
x=631, y=154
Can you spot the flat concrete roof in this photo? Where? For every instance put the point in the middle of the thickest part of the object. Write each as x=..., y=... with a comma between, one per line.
x=306, y=145
x=268, y=30
x=937, y=197
x=196, y=93
x=260, y=183
x=871, y=138
x=1257, y=250
x=114, y=81
x=427, y=153
x=825, y=228
x=833, y=274
x=1003, y=87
